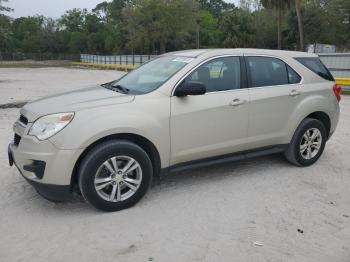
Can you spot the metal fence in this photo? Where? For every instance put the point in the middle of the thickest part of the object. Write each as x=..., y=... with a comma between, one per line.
x=134, y=60
x=338, y=64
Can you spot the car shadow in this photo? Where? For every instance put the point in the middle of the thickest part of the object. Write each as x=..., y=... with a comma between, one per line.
x=172, y=182
x=251, y=167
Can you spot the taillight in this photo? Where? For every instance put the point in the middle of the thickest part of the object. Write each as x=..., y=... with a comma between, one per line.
x=337, y=91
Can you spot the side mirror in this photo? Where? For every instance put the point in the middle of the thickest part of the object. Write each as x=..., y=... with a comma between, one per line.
x=190, y=89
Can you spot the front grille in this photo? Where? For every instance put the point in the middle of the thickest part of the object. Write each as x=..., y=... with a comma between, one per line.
x=17, y=139
x=23, y=120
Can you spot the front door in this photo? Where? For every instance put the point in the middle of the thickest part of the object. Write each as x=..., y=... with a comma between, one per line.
x=215, y=123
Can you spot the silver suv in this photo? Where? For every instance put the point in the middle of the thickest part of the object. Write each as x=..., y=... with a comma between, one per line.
x=181, y=110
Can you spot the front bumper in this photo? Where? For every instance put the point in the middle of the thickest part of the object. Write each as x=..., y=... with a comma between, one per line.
x=48, y=169
x=53, y=193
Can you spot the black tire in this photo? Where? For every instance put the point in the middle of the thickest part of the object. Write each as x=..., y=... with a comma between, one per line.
x=293, y=154
x=96, y=157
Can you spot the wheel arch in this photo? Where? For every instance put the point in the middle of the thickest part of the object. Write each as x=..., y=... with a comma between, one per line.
x=323, y=118
x=139, y=140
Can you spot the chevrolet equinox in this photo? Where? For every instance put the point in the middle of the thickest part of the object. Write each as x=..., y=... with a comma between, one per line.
x=180, y=110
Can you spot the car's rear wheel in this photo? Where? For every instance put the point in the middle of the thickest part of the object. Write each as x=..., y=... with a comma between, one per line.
x=115, y=175
x=308, y=143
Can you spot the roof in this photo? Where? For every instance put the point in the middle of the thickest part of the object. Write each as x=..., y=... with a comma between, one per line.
x=199, y=52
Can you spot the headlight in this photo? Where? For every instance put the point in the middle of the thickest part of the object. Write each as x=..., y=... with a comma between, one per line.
x=47, y=126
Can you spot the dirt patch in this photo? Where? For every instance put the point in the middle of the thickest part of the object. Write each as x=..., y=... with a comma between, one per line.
x=13, y=105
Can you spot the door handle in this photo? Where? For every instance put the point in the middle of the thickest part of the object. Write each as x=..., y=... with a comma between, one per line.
x=237, y=102
x=294, y=92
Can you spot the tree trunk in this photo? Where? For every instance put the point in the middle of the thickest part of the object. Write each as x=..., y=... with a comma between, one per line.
x=300, y=24
x=279, y=28
x=162, y=47
x=197, y=35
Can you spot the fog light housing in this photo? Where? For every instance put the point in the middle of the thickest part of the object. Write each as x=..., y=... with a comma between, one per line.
x=37, y=167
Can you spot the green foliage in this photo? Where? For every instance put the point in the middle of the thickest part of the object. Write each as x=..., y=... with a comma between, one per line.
x=216, y=7
x=6, y=35
x=154, y=25
x=210, y=35
x=74, y=20
x=276, y=4
x=324, y=22
x=157, y=26
x=238, y=27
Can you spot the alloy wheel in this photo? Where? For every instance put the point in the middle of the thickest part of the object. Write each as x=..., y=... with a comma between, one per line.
x=311, y=143
x=118, y=178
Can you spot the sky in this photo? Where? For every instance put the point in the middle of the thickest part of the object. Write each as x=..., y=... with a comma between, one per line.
x=51, y=8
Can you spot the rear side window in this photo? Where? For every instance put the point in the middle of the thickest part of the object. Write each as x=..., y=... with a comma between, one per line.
x=267, y=71
x=315, y=65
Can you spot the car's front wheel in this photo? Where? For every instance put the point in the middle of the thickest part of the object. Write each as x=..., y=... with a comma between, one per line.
x=308, y=143
x=115, y=175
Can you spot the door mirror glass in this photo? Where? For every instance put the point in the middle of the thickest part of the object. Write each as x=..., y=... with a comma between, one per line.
x=190, y=89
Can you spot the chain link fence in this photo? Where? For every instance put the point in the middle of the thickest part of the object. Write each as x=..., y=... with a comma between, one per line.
x=338, y=64
x=134, y=60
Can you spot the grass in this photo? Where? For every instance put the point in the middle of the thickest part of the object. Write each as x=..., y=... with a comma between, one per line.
x=345, y=92
x=123, y=67
x=30, y=65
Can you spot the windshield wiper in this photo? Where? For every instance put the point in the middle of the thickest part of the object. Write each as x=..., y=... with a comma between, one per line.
x=120, y=88
x=116, y=88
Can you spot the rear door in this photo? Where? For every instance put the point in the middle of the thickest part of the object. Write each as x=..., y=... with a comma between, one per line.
x=215, y=123
x=274, y=92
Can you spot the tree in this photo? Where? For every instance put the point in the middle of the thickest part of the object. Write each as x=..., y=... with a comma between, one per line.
x=5, y=30
x=26, y=31
x=156, y=25
x=209, y=29
x=264, y=30
x=300, y=24
x=216, y=7
x=74, y=20
x=4, y=8
x=237, y=28
x=280, y=6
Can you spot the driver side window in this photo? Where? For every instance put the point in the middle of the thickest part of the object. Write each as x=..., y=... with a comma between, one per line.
x=218, y=74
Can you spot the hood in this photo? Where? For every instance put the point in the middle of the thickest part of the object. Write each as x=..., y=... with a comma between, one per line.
x=74, y=101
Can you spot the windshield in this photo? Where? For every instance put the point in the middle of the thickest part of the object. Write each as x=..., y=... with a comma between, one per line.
x=151, y=75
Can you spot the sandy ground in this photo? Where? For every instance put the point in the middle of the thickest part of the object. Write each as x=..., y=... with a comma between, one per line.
x=211, y=214
x=23, y=84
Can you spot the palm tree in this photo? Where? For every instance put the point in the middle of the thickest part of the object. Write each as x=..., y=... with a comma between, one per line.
x=280, y=6
x=4, y=8
x=300, y=24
